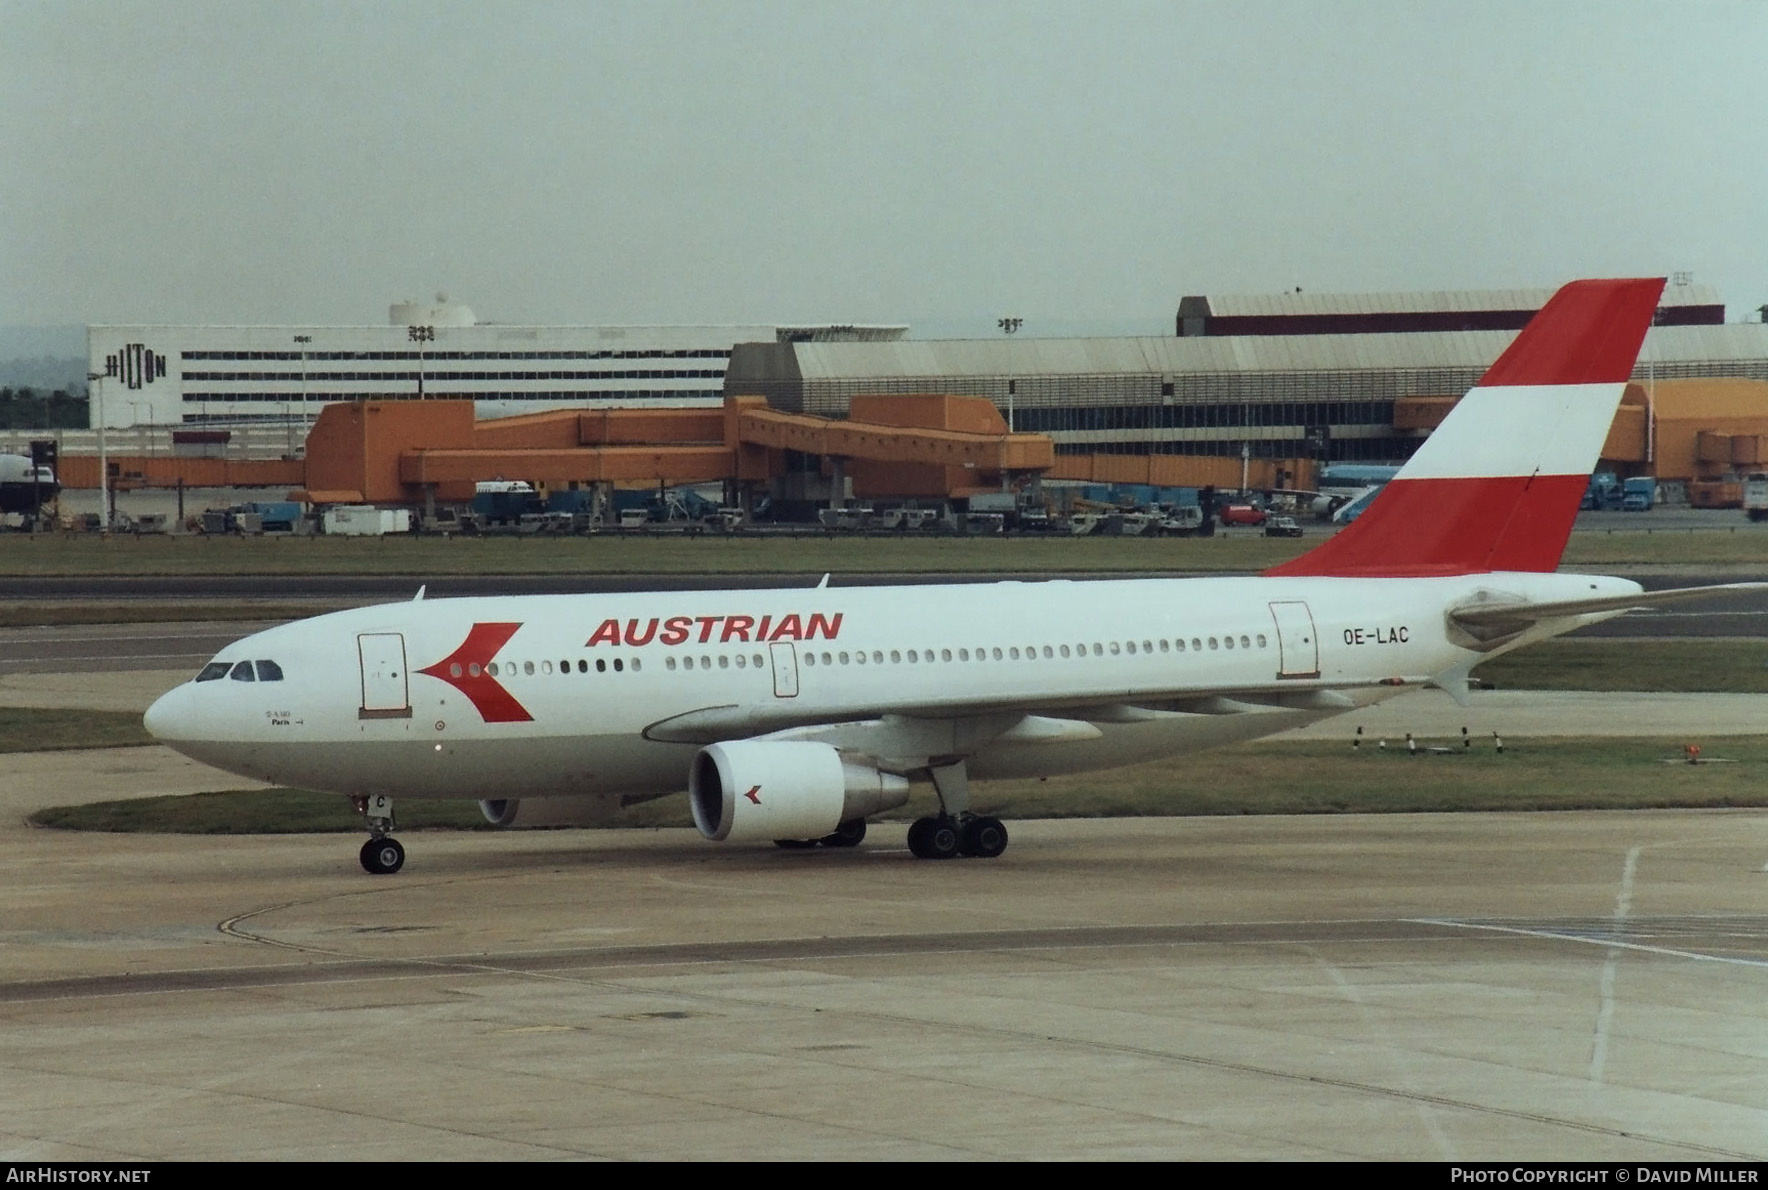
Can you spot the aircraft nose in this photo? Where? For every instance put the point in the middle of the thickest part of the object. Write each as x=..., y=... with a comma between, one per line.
x=169, y=717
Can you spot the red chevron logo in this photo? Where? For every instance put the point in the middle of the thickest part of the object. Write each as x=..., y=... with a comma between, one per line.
x=466, y=670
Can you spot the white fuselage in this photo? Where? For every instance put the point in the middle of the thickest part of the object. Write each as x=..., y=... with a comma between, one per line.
x=611, y=695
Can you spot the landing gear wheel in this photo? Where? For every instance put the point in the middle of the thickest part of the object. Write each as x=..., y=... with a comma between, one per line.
x=983, y=838
x=383, y=856
x=933, y=838
x=794, y=844
x=849, y=834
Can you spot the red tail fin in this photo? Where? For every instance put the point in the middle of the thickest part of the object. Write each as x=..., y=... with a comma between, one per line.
x=1497, y=485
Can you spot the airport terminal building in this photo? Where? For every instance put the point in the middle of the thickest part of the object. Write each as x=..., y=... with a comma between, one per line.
x=1291, y=376
x=245, y=375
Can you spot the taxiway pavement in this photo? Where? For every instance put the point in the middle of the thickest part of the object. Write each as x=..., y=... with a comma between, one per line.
x=1569, y=986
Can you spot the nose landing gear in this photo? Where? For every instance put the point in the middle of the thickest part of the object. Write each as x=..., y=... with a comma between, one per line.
x=382, y=855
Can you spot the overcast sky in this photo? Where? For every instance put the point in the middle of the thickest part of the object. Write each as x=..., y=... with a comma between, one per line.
x=921, y=161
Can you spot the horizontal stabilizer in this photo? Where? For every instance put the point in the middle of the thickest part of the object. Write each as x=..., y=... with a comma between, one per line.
x=1487, y=619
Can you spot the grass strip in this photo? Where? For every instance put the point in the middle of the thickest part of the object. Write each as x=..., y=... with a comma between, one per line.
x=33, y=729
x=1263, y=778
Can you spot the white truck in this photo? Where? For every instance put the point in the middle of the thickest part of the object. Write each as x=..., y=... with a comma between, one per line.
x=1755, y=495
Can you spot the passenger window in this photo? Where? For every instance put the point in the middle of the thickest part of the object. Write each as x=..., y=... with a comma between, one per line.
x=945, y=654
x=669, y=663
x=1065, y=650
x=1244, y=643
x=913, y=655
x=243, y=672
x=582, y=666
x=1261, y=640
x=877, y=657
x=724, y=661
x=528, y=667
x=545, y=667
x=213, y=670
x=756, y=661
x=618, y=665
x=1129, y=646
x=601, y=665
x=743, y=660
x=1228, y=642
x=1114, y=648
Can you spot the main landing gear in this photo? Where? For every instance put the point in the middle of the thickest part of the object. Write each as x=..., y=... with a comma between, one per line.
x=945, y=837
x=382, y=855
x=955, y=831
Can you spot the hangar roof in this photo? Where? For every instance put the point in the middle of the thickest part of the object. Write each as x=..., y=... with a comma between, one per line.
x=1416, y=302
x=1164, y=355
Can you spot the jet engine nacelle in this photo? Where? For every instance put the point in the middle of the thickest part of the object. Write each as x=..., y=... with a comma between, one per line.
x=766, y=789
x=500, y=811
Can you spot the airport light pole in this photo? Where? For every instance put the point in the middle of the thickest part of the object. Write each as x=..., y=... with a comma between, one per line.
x=96, y=379
x=303, y=340
x=420, y=335
x=1010, y=326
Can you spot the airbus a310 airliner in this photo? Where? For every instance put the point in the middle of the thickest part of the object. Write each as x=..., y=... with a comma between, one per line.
x=794, y=715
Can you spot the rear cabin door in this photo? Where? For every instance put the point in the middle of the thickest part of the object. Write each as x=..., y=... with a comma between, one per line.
x=384, y=684
x=785, y=669
x=1298, y=646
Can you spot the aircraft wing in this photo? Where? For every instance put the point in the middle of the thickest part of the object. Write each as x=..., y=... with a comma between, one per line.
x=1029, y=720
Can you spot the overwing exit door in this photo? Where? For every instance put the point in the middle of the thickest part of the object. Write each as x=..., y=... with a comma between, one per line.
x=785, y=669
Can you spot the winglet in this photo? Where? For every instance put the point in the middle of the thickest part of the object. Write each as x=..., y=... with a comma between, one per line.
x=1497, y=485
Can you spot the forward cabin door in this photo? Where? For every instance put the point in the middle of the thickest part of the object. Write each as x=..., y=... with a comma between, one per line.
x=1298, y=646
x=785, y=669
x=384, y=684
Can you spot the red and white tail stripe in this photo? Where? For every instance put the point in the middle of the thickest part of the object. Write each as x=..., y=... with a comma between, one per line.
x=1497, y=485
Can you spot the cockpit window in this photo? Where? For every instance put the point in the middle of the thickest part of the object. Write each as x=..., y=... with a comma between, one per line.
x=243, y=672
x=269, y=671
x=213, y=670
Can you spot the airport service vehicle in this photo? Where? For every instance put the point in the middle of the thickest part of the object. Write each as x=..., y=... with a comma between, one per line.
x=1755, y=495
x=1282, y=526
x=1639, y=494
x=1242, y=514
x=795, y=715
